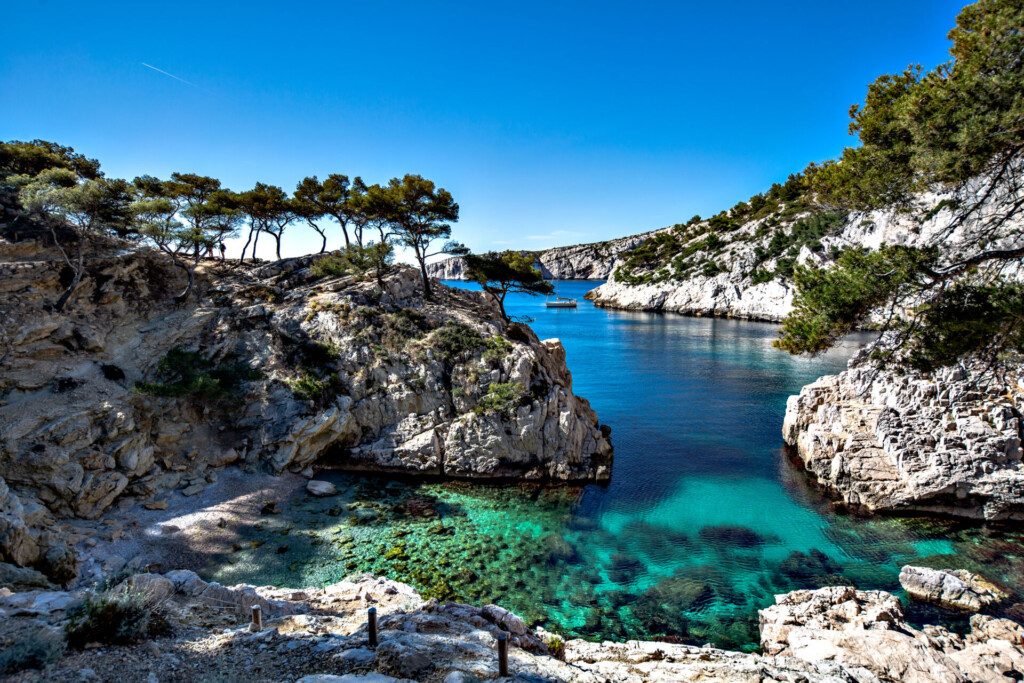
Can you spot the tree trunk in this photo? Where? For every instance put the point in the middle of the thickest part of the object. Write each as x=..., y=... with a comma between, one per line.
x=241, y=259
x=256, y=242
x=78, y=269
x=501, y=306
x=344, y=230
x=190, y=273
x=277, y=244
x=423, y=273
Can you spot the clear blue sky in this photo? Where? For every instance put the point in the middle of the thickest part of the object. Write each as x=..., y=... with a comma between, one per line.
x=551, y=122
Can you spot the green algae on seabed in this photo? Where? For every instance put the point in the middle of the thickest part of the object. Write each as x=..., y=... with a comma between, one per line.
x=621, y=575
x=702, y=524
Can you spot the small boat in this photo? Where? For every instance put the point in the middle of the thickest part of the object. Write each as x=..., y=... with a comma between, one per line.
x=561, y=302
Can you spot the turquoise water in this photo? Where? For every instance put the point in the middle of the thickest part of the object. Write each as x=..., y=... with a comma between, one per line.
x=704, y=520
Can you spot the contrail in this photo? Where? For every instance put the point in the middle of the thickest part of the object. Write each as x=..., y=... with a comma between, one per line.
x=161, y=71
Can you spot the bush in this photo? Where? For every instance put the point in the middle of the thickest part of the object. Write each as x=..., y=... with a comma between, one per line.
x=556, y=647
x=114, y=619
x=354, y=260
x=186, y=373
x=308, y=387
x=501, y=398
x=710, y=269
x=454, y=340
x=331, y=265
x=497, y=348
x=30, y=648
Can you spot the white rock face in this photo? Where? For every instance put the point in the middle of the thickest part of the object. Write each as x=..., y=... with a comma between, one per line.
x=947, y=443
x=370, y=376
x=719, y=296
x=593, y=261
x=956, y=589
x=865, y=633
x=830, y=635
x=734, y=294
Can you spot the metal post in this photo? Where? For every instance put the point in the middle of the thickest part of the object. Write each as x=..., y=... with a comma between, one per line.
x=257, y=618
x=502, y=654
x=372, y=624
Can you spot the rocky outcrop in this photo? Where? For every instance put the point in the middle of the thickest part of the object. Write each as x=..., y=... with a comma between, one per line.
x=829, y=635
x=952, y=589
x=129, y=394
x=593, y=261
x=865, y=633
x=881, y=440
x=717, y=296
x=748, y=274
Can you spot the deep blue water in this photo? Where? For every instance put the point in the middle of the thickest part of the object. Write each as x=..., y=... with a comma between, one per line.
x=703, y=522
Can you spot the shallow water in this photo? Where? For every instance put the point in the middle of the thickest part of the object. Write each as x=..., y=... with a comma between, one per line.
x=703, y=522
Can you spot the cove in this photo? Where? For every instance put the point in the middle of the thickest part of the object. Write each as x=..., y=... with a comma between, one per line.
x=703, y=522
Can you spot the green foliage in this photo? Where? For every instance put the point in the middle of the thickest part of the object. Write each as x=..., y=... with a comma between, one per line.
x=309, y=387
x=186, y=373
x=499, y=273
x=455, y=340
x=944, y=126
x=957, y=128
x=710, y=269
x=502, y=398
x=30, y=648
x=556, y=647
x=114, y=618
x=497, y=348
x=355, y=260
x=985, y=320
x=834, y=301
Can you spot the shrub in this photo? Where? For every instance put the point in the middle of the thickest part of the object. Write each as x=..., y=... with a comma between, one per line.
x=331, y=265
x=556, y=647
x=454, y=340
x=30, y=648
x=502, y=398
x=309, y=387
x=187, y=373
x=711, y=268
x=354, y=260
x=114, y=619
x=497, y=348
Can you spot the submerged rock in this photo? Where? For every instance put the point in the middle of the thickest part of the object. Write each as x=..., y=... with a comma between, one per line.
x=954, y=589
x=321, y=489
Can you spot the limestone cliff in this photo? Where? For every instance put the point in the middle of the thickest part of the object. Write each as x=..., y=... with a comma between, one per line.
x=593, y=261
x=743, y=268
x=129, y=394
x=882, y=440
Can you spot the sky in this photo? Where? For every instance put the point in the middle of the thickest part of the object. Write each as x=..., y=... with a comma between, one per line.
x=551, y=122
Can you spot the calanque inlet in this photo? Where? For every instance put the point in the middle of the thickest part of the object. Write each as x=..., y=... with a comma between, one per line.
x=307, y=436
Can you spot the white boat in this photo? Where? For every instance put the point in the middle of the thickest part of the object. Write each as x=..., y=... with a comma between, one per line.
x=561, y=302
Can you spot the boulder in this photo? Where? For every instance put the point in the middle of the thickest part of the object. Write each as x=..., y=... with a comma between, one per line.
x=953, y=589
x=321, y=489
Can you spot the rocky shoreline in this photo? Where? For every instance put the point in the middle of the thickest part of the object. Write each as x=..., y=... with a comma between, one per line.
x=130, y=395
x=320, y=635
x=885, y=441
